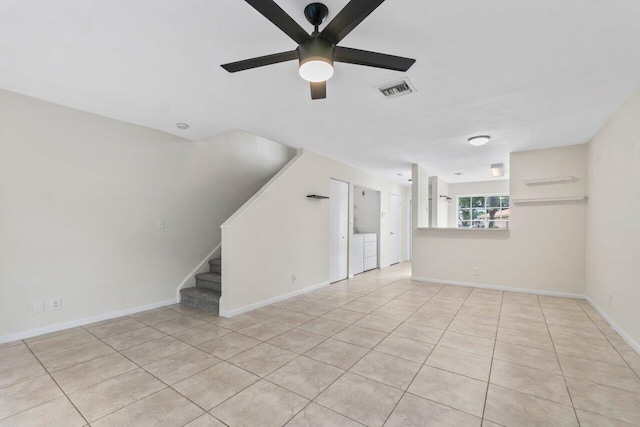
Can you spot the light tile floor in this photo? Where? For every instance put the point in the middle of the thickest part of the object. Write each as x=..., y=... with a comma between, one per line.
x=375, y=350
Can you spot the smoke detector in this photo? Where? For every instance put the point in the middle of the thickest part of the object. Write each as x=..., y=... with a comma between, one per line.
x=397, y=88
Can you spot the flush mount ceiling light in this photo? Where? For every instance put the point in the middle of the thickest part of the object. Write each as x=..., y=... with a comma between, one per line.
x=317, y=51
x=182, y=126
x=479, y=140
x=497, y=169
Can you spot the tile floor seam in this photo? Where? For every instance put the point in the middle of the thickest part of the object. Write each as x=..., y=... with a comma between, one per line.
x=142, y=367
x=564, y=379
x=60, y=388
x=611, y=344
x=132, y=403
x=432, y=350
x=354, y=364
x=486, y=393
x=310, y=400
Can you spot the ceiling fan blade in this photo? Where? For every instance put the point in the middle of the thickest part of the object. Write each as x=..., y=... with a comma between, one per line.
x=372, y=59
x=270, y=10
x=318, y=90
x=349, y=17
x=260, y=61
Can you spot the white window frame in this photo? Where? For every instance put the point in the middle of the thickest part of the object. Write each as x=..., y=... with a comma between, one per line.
x=485, y=195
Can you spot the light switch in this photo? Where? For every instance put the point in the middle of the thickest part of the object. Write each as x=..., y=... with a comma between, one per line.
x=160, y=224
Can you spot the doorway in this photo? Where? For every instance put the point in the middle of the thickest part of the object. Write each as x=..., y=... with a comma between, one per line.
x=339, y=230
x=395, y=221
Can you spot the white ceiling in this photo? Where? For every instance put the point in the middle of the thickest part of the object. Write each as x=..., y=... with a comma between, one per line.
x=532, y=74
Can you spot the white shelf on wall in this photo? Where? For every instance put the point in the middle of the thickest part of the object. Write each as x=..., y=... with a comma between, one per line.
x=556, y=180
x=550, y=199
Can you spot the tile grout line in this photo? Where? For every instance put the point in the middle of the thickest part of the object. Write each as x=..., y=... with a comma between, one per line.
x=331, y=337
x=564, y=379
x=369, y=351
x=493, y=355
x=345, y=370
x=611, y=343
x=57, y=385
x=432, y=350
x=143, y=369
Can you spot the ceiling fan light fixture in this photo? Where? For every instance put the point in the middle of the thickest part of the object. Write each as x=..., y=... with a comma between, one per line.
x=316, y=60
x=316, y=70
x=317, y=51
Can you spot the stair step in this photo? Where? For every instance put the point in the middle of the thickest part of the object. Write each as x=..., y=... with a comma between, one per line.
x=210, y=277
x=203, y=299
x=211, y=281
x=215, y=265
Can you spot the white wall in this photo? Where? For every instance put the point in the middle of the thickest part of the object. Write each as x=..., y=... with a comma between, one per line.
x=281, y=232
x=419, y=196
x=366, y=210
x=613, y=221
x=500, y=186
x=79, y=199
x=444, y=206
x=544, y=249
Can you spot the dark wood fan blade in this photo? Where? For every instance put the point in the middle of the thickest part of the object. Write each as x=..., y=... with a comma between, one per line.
x=372, y=59
x=318, y=90
x=260, y=61
x=349, y=17
x=270, y=10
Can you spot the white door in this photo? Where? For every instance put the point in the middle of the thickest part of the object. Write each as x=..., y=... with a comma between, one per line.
x=339, y=229
x=394, y=229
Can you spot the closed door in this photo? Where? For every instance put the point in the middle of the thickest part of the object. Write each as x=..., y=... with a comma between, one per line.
x=339, y=230
x=394, y=229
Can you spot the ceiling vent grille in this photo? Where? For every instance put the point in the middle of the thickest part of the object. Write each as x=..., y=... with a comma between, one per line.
x=397, y=88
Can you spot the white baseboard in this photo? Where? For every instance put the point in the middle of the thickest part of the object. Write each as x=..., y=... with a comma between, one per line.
x=231, y=313
x=73, y=323
x=195, y=271
x=499, y=288
x=632, y=343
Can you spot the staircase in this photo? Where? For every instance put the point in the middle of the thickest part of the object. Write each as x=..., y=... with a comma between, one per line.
x=206, y=294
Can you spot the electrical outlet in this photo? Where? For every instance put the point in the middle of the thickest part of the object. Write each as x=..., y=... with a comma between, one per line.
x=293, y=278
x=56, y=304
x=476, y=271
x=160, y=224
x=38, y=306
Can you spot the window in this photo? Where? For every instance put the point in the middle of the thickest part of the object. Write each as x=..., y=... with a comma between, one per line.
x=483, y=211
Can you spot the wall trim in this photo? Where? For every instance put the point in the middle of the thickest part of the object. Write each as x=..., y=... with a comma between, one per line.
x=500, y=288
x=85, y=321
x=632, y=343
x=231, y=313
x=195, y=270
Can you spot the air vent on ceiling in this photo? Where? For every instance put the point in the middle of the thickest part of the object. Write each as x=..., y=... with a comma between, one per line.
x=397, y=88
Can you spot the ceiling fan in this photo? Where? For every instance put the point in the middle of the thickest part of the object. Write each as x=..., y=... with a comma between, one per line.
x=317, y=52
